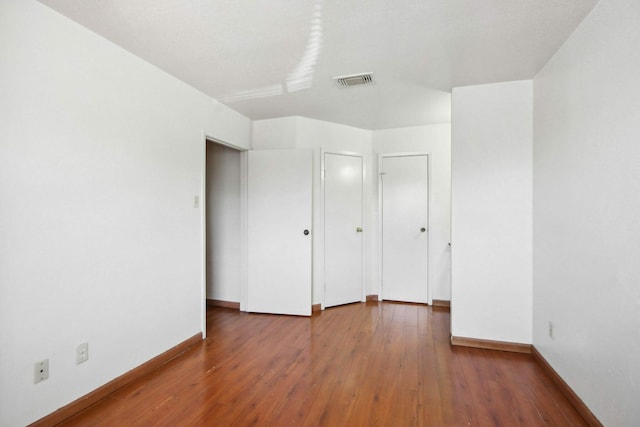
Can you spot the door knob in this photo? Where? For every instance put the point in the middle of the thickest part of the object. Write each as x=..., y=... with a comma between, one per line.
x=422, y=230
x=306, y=232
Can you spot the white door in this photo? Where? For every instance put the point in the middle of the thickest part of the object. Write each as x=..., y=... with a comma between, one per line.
x=405, y=205
x=342, y=229
x=279, y=201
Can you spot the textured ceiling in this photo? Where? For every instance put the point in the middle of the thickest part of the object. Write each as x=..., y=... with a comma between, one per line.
x=277, y=58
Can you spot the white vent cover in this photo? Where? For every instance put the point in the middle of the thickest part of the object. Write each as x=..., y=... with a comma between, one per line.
x=354, y=80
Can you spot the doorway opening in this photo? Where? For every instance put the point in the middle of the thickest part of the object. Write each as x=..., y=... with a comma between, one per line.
x=222, y=206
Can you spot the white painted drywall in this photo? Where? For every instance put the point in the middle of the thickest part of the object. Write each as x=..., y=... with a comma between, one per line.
x=436, y=141
x=274, y=134
x=101, y=156
x=491, y=161
x=304, y=133
x=586, y=212
x=223, y=223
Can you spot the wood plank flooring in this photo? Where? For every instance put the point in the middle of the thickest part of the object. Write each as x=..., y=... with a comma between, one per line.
x=373, y=364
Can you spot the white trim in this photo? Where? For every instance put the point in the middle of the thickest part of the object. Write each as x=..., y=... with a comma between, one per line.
x=322, y=249
x=363, y=296
x=365, y=234
x=203, y=236
x=380, y=218
x=379, y=254
x=226, y=144
x=244, y=234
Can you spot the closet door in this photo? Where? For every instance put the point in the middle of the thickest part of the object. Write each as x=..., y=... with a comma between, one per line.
x=405, y=243
x=342, y=229
x=279, y=203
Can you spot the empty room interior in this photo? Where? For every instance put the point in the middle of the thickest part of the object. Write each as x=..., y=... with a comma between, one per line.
x=320, y=212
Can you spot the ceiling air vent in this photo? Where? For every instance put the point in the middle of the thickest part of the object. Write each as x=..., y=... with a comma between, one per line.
x=354, y=80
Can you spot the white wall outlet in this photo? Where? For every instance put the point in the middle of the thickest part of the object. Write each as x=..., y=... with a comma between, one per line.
x=551, y=330
x=82, y=353
x=196, y=201
x=40, y=371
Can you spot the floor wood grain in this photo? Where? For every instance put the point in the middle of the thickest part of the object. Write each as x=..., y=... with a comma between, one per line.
x=364, y=364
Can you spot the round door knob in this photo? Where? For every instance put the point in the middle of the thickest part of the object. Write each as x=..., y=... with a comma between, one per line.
x=306, y=232
x=422, y=230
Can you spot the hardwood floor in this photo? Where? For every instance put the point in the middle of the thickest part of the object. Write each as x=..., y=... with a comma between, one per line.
x=373, y=364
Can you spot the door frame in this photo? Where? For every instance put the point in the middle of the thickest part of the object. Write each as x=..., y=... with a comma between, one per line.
x=322, y=219
x=203, y=225
x=381, y=157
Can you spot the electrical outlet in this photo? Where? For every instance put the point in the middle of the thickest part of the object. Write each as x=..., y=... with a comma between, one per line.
x=41, y=371
x=82, y=353
x=551, y=330
x=196, y=201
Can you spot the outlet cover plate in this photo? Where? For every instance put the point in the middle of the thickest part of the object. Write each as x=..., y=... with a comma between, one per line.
x=82, y=353
x=40, y=371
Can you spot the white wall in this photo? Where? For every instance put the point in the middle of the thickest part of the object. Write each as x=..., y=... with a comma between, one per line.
x=435, y=140
x=316, y=135
x=586, y=211
x=275, y=134
x=491, y=221
x=223, y=223
x=100, y=159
